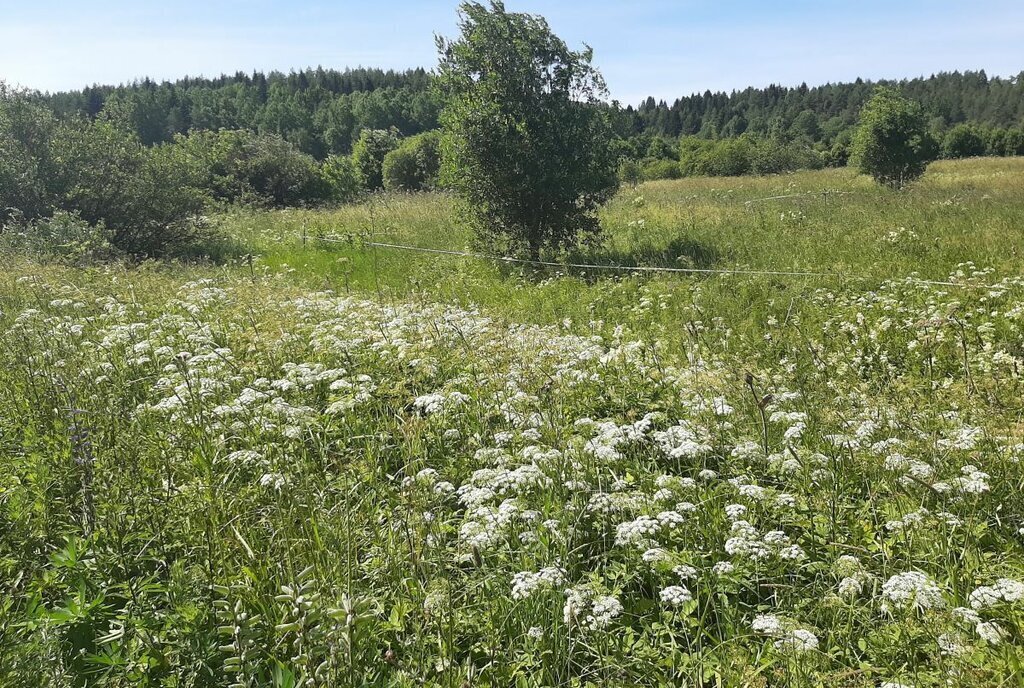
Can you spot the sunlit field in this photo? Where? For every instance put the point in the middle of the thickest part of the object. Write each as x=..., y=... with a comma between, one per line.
x=325, y=463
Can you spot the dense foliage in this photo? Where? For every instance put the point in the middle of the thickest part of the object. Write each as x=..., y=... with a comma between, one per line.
x=369, y=153
x=822, y=113
x=148, y=200
x=323, y=111
x=97, y=172
x=524, y=143
x=892, y=143
x=415, y=164
x=319, y=111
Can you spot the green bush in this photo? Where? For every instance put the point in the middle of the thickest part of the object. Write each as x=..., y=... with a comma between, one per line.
x=1013, y=144
x=341, y=178
x=746, y=154
x=963, y=141
x=892, y=143
x=368, y=155
x=280, y=172
x=97, y=172
x=652, y=170
x=243, y=166
x=27, y=165
x=692, y=152
x=64, y=237
x=630, y=172
x=771, y=156
x=729, y=157
x=414, y=165
x=661, y=149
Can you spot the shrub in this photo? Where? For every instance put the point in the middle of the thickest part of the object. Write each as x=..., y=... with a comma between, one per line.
x=772, y=156
x=963, y=141
x=892, y=143
x=652, y=170
x=339, y=174
x=368, y=155
x=414, y=165
x=64, y=237
x=729, y=157
x=97, y=171
x=243, y=166
x=692, y=152
x=26, y=130
x=280, y=172
x=630, y=172
x=1013, y=144
x=661, y=149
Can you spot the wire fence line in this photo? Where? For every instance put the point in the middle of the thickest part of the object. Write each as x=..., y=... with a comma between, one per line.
x=825, y=194
x=355, y=243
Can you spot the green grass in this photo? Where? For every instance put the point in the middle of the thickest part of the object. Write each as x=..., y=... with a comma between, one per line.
x=831, y=221
x=327, y=464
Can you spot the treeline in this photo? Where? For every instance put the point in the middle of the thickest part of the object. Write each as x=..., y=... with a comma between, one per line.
x=320, y=111
x=137, y=165
x=778, y=129
x=823, y=113
x=323, y=111
x=84, y=185
x=646, y=157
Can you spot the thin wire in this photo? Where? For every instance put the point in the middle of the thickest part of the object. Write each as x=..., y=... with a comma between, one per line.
x=643, y=268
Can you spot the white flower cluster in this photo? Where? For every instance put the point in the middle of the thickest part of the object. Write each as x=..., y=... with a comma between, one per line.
x=527, y=583
x=676, y=595
x=746, y=541
x=682, y=441
x=593, y=611
x=911, y=590
x=787, y=637
x=1004, y=590
x=436, y=402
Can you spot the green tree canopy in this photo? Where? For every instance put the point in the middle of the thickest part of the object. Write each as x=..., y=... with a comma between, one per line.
x=524, y=143
x=963, y=141
x=414, y=165
x=368, y=155
x=892, y=143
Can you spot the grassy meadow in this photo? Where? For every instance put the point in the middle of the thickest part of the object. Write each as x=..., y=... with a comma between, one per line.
x=323, y=463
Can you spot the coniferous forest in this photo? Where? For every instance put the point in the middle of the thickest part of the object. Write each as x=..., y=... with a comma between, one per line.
x=322, y=111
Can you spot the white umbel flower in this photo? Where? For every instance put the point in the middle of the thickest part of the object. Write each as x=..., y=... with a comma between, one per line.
x=676, y=595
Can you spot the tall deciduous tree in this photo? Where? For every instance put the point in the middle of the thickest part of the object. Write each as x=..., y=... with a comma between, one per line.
x=524, y=143
x=892, y=142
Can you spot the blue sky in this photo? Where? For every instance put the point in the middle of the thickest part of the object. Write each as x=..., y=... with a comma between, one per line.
x=644, y=47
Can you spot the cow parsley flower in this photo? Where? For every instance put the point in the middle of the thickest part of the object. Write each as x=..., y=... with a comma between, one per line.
x=675, y=595
x=723, y=568
x=912, y=589
x=767, y=624
x=526, y=583
x=991, y=632
x=604, y=610
x=1004, y=590
x=797, y=640
x=685, y=572
x=850, y=587
x=636, y=531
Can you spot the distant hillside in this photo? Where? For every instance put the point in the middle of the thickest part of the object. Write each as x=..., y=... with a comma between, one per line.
x=822, y=112
x=321, y=111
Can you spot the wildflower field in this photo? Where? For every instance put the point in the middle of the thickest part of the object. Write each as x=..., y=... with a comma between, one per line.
x=323, y=463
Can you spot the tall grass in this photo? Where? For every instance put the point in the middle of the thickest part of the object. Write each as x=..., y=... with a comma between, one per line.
x=331, y=465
